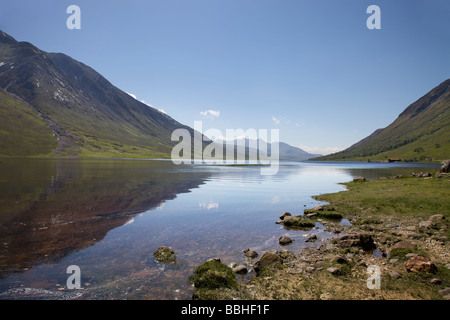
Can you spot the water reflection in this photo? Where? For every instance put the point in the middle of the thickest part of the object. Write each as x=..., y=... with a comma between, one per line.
x=109, y=216
x=50, y=209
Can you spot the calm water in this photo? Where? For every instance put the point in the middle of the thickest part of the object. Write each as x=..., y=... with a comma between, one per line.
x=109, y=216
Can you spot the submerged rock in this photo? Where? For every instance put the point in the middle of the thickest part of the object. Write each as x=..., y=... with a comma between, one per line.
x=250, y=253
x=165, y=254
x=284, y=240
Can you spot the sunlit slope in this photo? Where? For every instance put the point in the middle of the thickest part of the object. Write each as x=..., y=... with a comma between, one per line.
x=420, y=133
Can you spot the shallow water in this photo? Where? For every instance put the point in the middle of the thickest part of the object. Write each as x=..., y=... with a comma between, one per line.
x=109, y=216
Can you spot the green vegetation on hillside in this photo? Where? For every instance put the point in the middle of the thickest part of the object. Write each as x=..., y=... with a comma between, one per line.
x=23, y=132
x=420, y=133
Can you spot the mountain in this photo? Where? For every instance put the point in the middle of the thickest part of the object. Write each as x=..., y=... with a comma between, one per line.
x=51, y=104
x=420, y=133
x=286, y=151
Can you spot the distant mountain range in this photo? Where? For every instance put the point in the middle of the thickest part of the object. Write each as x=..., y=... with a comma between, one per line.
x=53, y=105
x=286, y=152
x=420, y=133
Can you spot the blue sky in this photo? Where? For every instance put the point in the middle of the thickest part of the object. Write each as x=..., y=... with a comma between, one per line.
x=311, y=68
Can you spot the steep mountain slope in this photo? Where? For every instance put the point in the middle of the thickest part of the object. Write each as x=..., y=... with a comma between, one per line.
x=420, y=133
x=86, y=113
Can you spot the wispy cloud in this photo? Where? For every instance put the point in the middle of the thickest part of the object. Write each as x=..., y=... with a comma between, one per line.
x=210, y=114
x=209, y=205
x=276, y=120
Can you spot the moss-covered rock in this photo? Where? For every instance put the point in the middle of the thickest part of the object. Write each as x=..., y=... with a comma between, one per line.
x=299, y=222
x=165, y=255
x=213, y=274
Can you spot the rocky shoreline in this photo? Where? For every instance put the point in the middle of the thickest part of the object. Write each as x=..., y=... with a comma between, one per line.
x=376, y=256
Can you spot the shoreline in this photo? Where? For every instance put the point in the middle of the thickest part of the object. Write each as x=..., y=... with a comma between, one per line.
x=399, y=227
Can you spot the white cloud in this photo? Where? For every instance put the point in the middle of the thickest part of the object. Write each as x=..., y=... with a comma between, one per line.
x=276, y=120
x=210, y=114
x=321, y=150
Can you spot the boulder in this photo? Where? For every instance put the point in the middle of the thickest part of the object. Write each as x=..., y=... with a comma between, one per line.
x=284, y=240
x=361, y=179
x=268, y=258
x=213, y=274
x=298, y=222
x=445, y=166
x=285, y=214
x=420, y=264
x=364, y=241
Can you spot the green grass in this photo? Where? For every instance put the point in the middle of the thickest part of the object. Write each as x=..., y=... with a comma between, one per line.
x=22, y=131
x=404, y=197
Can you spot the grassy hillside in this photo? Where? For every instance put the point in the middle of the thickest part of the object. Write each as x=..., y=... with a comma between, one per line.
x=89, y=116
x=420, y=133
x=23, y=132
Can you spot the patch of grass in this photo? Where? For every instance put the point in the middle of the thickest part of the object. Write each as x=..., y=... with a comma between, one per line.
x=22, y=131
x=407, y=197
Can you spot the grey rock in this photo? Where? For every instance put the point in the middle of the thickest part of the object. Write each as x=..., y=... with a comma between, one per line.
x=311, y=238
x=284, y=240
x=285, y=214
